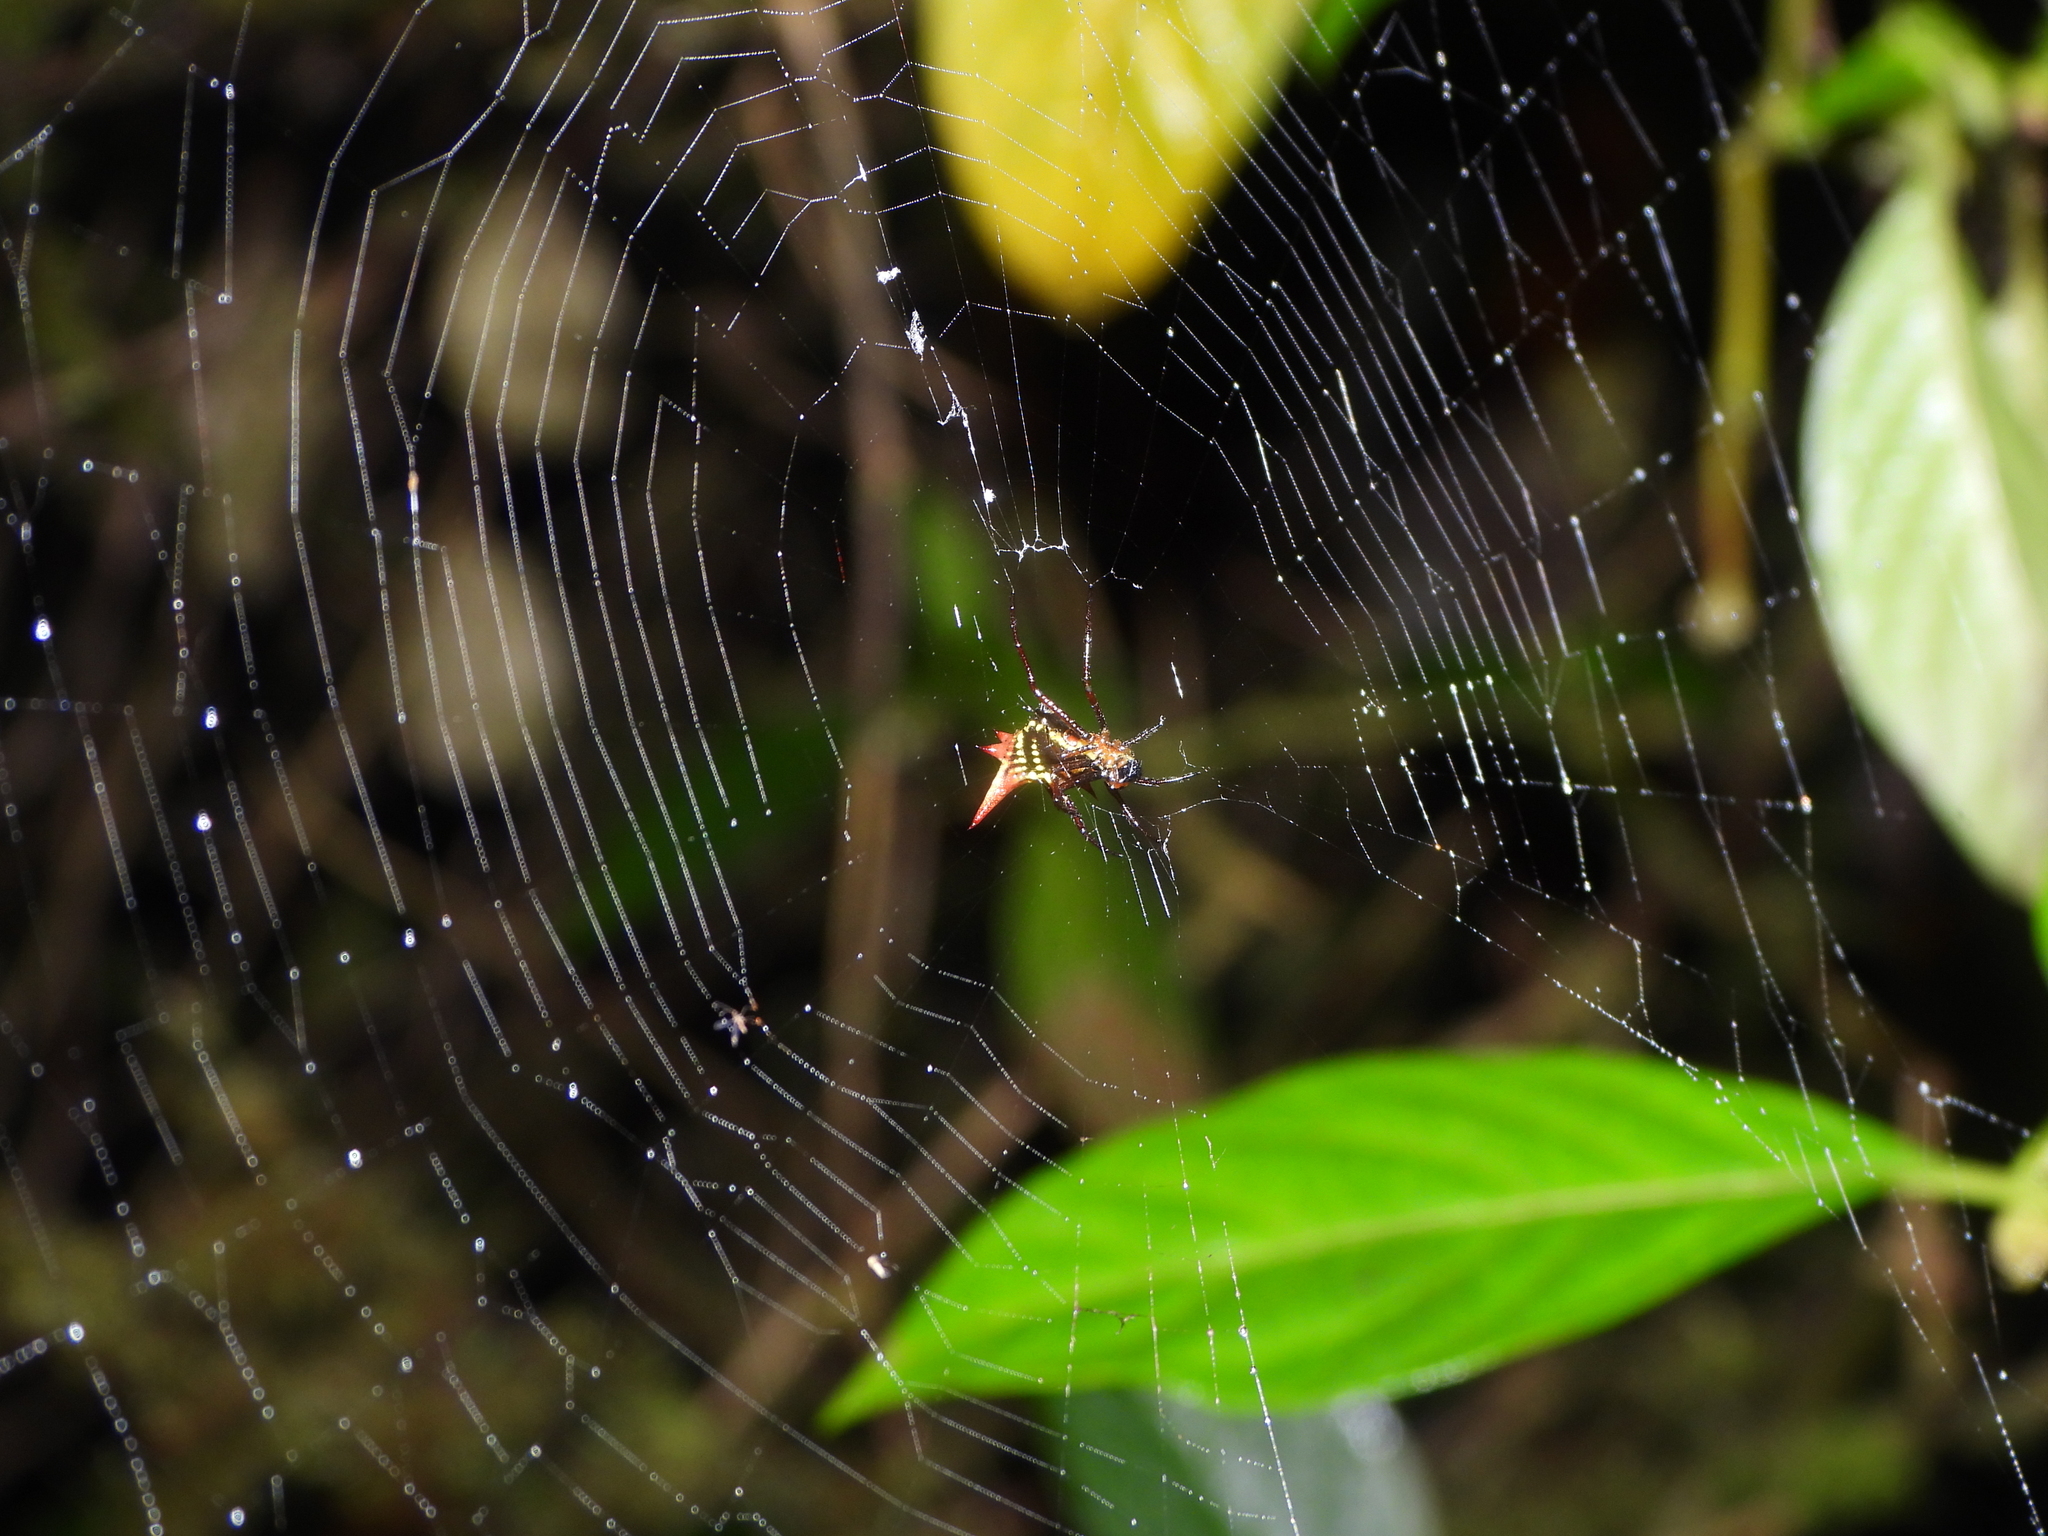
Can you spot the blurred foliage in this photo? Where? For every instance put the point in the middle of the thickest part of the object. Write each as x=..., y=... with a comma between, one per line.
x=1926, y=438
x=1095, y=975
x=1927, y=506
x=1726, y=843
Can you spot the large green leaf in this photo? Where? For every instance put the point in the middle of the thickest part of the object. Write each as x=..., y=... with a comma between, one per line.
x=1926, y=497
x=1090, y=138
x=1382, y=1223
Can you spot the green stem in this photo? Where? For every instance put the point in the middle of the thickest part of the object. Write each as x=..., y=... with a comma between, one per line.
x=1963, y=1181
x=1722, y=613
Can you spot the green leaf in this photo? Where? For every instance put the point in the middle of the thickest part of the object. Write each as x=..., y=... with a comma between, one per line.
x=1090, y=141
x=962, y=607
x=2016, y=353
x=1073, y=921
x=1383, y=1223
x=1910, y=53
x=1333, y=26
x=1926, y=504
x=1085, y=952
x=958, y=590
x=2041, y=929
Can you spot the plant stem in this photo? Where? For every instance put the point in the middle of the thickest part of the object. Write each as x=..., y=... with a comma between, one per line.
x=1722, y=612
x=1960, y=1181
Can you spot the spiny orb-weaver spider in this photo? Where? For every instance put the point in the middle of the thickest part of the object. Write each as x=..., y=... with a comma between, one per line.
x=1049, y=748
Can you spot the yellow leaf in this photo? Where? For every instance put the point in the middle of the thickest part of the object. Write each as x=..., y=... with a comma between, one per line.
x=1091, y=138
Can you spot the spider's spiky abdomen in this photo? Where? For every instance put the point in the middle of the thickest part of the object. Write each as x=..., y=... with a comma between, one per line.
x=1031, y=754
x=1039, y=752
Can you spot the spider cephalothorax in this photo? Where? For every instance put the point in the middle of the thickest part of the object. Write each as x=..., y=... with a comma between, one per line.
x=1049, y=748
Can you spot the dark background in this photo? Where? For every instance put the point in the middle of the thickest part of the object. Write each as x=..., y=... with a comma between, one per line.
x=1847, y=1382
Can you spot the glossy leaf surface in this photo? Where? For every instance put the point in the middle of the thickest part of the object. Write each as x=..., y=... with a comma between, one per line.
x=1383, y=1223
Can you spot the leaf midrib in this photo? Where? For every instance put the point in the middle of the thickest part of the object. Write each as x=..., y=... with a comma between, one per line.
x=1494, y=1213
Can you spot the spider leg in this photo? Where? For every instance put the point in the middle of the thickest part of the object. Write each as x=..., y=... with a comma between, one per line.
x=1125, y=806
x=1054, y=716
x=1088, y=663
x=1155, y=725
x=1074, y=815
x=1152, y=835
x=1023, y=655
x=1046, y=705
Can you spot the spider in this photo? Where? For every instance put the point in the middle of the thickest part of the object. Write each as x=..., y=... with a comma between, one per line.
x=735, y=1022
x=1049, y=748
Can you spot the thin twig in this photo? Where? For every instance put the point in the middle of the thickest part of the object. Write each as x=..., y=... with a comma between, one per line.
x=879, y=457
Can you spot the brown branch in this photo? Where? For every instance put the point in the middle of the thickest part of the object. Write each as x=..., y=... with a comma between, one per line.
x=864, y=889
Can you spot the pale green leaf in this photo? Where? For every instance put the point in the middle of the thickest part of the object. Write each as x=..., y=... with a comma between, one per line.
x=1382, y=1223
x=1130, y=1461
x=1926, y=502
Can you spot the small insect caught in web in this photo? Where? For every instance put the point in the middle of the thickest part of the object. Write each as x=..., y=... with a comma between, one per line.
x=734, y=1022
x=1052, y=749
